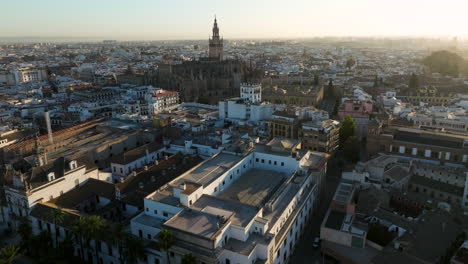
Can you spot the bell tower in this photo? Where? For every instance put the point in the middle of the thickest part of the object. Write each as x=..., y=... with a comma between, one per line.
x=215, y=51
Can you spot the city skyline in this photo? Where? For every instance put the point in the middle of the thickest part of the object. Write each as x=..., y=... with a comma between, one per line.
x=190, y=20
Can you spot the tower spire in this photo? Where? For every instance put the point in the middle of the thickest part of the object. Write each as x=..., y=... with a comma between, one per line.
x=215, y=43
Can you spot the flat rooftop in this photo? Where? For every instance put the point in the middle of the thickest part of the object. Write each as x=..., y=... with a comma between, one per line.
x=335, y=220
x=243, y=213
x=344, y=192
x=254, y=187
x=197, y=223
x=210, y=169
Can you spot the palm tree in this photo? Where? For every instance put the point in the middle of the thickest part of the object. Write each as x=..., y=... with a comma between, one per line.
x=67, y=247
x=119, y=236
x=57, y=218
x=87, y=229
x=134, y=249
x=80, y=230
x=166, y=240
x=25, y=232
x=188, y=259
x=95, y=224
x=8, y=253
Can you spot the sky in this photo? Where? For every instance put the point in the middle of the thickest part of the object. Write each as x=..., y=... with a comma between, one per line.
x=192, y=19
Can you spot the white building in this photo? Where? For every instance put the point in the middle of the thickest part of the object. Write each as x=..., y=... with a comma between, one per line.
x=41, y=184
x=251, y=92
x=235, y=208
x=161, y=100
x=124, y=164
x=239, y=109
x=25, y=75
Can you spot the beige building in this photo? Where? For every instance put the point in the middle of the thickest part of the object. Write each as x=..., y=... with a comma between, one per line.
x=417, y=143
x=283, y=124
x=320, y=135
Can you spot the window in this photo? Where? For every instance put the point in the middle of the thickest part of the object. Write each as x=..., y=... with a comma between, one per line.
x=147, y=210
x=256, y=160
x=230, y=177
x=275, y=163
x=263, y=161
x=165, y=214
x=140, y=233
x=215, y=189
x=149, y=236
x=282, y=163
x=155, y=211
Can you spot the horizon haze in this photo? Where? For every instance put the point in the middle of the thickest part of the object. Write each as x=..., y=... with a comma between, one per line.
x=191, y=20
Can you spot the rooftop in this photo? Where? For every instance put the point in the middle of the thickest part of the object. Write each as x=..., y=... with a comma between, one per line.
x=242, y=213
x=254, y=187
x=344, y=192
x=198, y=223
x=210, y=169
x=136, y=153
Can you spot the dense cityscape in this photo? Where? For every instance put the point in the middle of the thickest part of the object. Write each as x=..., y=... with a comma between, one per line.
x=225, y=151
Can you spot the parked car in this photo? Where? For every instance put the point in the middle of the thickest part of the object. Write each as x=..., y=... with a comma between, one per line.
x=316, y=243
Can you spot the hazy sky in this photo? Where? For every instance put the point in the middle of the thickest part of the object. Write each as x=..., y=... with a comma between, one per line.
x=192, y=19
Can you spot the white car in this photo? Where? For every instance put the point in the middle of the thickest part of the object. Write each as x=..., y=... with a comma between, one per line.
x=316, y=243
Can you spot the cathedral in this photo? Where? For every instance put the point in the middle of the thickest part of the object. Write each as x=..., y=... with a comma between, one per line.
x=215, y=51
x=207, y=80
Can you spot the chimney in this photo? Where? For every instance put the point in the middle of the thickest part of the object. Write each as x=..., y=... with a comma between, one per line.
x=134, y=173
x=49, y=127
x=182, y=186
x=166, y=157
x=156, y=162
x=146, y=168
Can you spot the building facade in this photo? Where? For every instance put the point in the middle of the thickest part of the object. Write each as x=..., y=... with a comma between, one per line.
x=283, y=124
x=320, y=135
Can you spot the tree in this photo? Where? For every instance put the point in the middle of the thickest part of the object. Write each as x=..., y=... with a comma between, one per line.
x=350, y=63
x=188, y=259
x=57, y=218
x=446, y=63
x=166, y=240
x=94, y=225
x=329, y=92
x=88, y=228
x=351, y=149
x=133, y=249
x=8, y=253
x=79, y=227
x=41, y=244
x=347, y=129
x=414, y=81
x=25, y=232
x=119, y=236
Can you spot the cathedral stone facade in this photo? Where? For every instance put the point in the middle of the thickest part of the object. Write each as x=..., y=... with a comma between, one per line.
x=207, y=80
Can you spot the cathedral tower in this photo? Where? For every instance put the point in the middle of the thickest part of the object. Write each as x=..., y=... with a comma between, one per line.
x=215, y=51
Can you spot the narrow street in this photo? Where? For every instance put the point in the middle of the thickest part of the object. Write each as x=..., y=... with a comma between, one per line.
x=304, y=252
